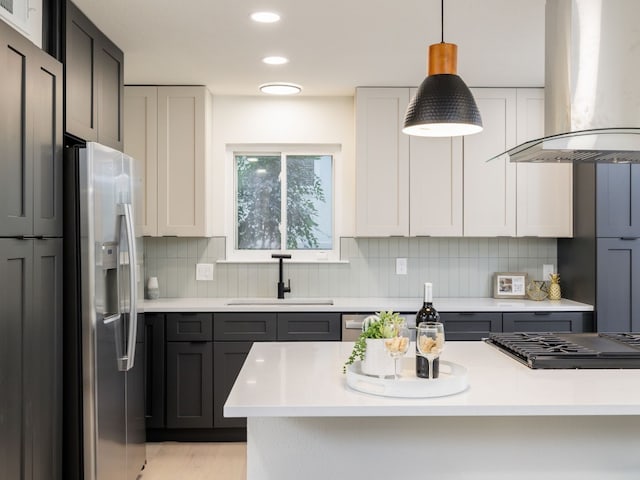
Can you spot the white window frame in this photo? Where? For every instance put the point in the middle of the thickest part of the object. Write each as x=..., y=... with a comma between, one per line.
x=26, y=18
x=303, y=256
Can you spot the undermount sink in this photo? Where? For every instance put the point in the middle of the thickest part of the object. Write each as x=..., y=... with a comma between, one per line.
x=280, y=301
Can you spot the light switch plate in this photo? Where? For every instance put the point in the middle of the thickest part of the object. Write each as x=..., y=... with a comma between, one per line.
x=401, y=266
x=547, y=269
x=204, y=271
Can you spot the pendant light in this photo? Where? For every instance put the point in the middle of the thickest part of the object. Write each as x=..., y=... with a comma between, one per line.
x=443, y=105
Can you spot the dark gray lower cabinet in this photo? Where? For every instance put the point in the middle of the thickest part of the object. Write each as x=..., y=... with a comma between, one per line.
x=189, y=385
x=470, y=325
x=618, y=285
x=574, y=322
x=154, y=374
x=31, y=359
x=228, y=358
x=16, y=272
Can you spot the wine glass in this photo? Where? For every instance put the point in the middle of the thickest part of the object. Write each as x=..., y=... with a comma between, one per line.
x=430, y=341
x=398, y=345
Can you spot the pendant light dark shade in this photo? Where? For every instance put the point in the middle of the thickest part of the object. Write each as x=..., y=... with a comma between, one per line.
x=443, y=106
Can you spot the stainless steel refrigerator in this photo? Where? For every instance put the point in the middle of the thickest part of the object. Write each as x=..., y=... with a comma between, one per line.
x=104, y=399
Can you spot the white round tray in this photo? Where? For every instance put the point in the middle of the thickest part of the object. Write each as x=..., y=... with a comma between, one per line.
x=452, y=379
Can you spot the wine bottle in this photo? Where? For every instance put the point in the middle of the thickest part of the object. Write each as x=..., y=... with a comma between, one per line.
x=427, y=314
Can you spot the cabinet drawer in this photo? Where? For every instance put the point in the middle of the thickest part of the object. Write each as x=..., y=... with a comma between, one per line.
x=470, y=325
x=189, y=327
x=576, y=322
x=308, y=326
x=254, y=327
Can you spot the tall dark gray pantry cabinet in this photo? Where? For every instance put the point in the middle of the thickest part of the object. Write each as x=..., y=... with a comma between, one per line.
x=601, y=264
x=30, y=260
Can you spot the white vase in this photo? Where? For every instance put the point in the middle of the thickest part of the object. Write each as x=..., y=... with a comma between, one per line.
x=153, y=290
x=376, y=359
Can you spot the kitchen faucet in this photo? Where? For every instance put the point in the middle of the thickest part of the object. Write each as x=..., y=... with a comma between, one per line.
x=281, y=288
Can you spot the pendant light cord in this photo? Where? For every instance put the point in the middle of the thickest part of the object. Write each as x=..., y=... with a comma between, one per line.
x=441, y=21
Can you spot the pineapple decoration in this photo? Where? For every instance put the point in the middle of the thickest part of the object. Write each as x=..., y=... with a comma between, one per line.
x=554, y=288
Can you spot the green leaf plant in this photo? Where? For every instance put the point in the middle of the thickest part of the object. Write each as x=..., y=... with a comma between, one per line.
x=381, y=325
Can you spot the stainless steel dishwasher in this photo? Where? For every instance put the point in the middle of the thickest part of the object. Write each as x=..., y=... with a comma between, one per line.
x=352, y=325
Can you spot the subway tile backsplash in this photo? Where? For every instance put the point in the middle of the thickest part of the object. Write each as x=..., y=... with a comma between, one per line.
x=457, y=267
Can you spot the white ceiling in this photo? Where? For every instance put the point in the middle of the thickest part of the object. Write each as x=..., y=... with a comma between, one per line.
x=333, y=45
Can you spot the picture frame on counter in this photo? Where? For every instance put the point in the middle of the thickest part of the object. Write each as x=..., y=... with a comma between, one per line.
x=509, y=285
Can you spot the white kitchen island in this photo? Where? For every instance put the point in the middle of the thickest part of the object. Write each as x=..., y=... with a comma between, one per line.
x=304, y=422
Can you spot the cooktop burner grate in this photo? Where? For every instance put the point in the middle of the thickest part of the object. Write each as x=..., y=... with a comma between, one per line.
x=570, y=350
x=629, y=339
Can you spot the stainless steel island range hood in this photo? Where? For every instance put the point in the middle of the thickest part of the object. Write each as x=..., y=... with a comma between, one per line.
x=592, y=88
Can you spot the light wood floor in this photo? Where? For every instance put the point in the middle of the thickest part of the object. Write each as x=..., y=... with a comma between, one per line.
x=195, y=461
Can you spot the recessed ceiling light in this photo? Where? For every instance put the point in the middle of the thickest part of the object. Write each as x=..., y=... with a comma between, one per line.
x=275, y=60
x=280, y=88
x=265, y=17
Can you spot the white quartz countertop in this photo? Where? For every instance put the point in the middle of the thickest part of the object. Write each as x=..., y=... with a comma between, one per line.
x=361, y=304
x=305, y=379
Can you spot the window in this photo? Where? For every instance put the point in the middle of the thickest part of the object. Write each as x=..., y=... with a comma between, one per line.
x=284, y=202
x=25, y=16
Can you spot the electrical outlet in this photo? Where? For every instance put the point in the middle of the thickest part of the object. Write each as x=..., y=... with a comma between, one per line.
x=547, y=269
x=401, y=266
x=204, y=271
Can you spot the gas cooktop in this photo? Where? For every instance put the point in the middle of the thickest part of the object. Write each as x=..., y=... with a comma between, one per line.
x=570, y=350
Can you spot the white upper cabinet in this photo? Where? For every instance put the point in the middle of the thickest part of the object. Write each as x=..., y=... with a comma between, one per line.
x=544, y=191
x=405, y=185
x=382, y=162
x=435, y=186
x=490, y=187
x=141, y=142
x=176, y=156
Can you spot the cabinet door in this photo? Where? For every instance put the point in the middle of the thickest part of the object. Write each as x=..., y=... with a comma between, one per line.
x=16, y=125
x=435, y=186
x=618, y=285
x=154, y=376
x=31, y=138
x=141, y=142
x=43, y=364
x=181, y=161
x=574, y=322
x=189, y=385
x=16, y=276
x=471, y=325
x=618, y=200
x=45, y=98
x=228, y=358
x=136, y=415
x=314, y=326
x=81, y=119
x=110, y=92
x=490, y=187
x=544, y=191
x=382, y=162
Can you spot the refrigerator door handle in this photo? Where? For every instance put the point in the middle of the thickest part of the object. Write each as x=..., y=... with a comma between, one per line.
x=111, y=318
x=133, y=307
